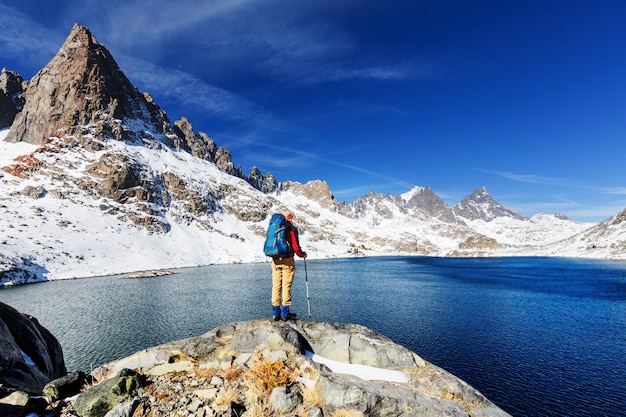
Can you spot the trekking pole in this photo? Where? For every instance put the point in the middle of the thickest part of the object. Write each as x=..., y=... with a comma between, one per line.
x=306, y=280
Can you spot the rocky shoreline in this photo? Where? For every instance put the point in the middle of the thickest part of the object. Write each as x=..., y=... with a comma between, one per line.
x=260, y=368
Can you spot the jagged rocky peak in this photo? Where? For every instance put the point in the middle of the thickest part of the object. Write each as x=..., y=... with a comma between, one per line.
x=11, y=96
x=264, y=183
x=425, y=199
x=381, y=204
x=198, y=144
x=316, y=190
x=82, y=90
x=480, y=205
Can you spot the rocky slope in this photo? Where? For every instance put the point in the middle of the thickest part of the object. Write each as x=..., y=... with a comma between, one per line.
x=111, y=186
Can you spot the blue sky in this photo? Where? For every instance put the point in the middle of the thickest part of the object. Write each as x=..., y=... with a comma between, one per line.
x=526, y=98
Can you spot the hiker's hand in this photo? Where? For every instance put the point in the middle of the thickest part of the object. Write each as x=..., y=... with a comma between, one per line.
x=304, y=255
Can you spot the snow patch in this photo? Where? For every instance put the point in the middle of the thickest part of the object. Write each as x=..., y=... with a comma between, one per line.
x=10, y=151
x=368, y=373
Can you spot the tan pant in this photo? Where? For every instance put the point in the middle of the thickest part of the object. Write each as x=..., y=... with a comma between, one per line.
x=283, y=271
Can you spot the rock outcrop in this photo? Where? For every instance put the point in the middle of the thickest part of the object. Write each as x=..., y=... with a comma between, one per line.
x=11, y=98
x=30, y=356
x=298, y=368
x=82, y=87
x=316, y=190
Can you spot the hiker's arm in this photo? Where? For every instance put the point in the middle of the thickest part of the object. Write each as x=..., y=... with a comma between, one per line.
x=295, y=243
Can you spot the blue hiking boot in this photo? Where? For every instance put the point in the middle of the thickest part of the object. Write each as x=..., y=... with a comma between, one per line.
x=286, y=315
x=275, y=313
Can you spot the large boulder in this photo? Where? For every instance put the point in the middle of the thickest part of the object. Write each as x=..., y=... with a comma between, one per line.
x=30, y=356
x=100, y=399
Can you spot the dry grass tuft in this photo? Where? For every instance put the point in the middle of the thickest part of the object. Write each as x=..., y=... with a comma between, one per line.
x=311, y=396
x=259, y=409
x=206, y=373
x=232, y=374
x=266, y=374
x=228, y=397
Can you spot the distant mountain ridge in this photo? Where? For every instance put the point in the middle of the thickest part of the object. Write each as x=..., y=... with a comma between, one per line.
x=481, y=206
x=111, y=186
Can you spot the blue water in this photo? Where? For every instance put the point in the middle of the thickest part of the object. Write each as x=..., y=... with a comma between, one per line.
x=538, y=336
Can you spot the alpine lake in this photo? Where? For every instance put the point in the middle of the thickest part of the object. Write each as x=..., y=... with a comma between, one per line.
x=537, y=336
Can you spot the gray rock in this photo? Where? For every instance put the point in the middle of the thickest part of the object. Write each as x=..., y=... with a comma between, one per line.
x=315, y=411
x=30, y=356
x=15, y=398
x=194, y=405
x=283, y=400
x=99, y=400
x=375, y=398
x=66, y=386
x=125, y=409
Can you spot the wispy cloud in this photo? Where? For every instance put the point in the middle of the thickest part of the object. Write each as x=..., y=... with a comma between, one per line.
x=529, y=178
x=130, y=22
x=25, y=40
x=193, y=92
x=615, y=190
x=289, y=41
x=562, y=182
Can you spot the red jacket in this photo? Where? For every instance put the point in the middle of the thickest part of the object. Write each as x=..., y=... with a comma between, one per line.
x=295, y=242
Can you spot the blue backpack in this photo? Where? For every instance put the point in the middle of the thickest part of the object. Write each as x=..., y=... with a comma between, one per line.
x=277, y=241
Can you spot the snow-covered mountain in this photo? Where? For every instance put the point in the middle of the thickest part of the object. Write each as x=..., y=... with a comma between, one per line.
x=95, y=180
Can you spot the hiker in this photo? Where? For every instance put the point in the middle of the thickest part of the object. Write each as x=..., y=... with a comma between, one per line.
x=283, y=272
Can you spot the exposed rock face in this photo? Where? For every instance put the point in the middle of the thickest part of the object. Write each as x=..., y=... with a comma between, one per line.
x=11, y=98
x=383, y=205
x=265, y=183
x=481, y=205
x=315, y=190
x=424, y=199
x=198, y=144
x=82, y=87
x=270, y=369
x=30, y=356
